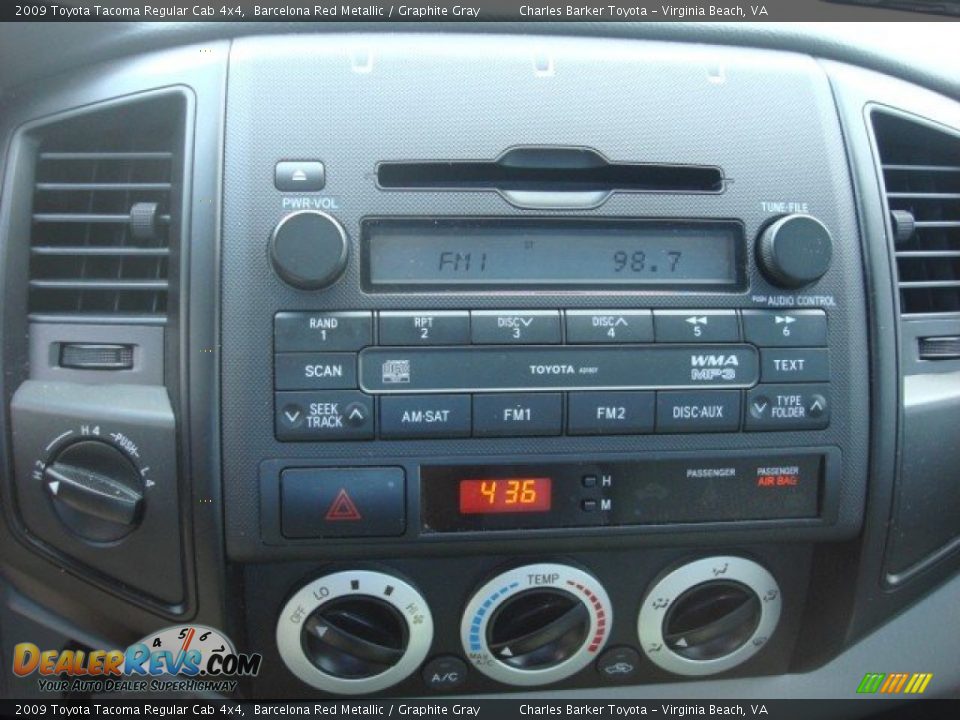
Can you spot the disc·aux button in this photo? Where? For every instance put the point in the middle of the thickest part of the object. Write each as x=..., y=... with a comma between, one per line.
x=321, y=416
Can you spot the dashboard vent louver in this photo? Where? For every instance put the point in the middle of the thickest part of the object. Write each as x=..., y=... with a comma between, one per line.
x=921, y=177
x=105, y=228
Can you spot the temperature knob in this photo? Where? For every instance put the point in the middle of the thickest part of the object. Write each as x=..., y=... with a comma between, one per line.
x=795, y=250
x=95, y=489
x=308, y=249
x=536, y=624
x=354, y=632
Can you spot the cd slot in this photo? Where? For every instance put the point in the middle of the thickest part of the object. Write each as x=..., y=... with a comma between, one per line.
x=550, y=171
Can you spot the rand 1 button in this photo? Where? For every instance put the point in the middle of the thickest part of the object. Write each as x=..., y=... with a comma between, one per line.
x=698, y=411
x=342, y=502
x=785, y=328
x=425, y=416
x=314, y=371
x=610, y=413
x=696, y=325
x=425, y=328
x=323, y=415
x=516, y=414
x=609, y=326
x=300, y=331
x=788, y=407
x=794, y=365
x=494, y=327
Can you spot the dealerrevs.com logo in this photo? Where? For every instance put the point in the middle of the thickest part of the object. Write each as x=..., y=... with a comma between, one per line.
x=180, y=658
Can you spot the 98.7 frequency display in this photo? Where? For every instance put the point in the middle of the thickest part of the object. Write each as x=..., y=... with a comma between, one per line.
x=511, y=253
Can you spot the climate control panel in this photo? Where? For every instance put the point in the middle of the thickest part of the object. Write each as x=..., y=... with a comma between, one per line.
x=528, y=625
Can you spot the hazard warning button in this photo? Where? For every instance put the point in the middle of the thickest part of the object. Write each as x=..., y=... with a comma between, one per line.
x=342, y=502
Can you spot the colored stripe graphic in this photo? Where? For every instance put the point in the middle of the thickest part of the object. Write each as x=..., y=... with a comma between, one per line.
x=871, y=682
x=894, y=683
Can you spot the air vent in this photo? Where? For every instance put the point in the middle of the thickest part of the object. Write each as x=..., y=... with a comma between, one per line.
x=921, y=175
x=104, y=232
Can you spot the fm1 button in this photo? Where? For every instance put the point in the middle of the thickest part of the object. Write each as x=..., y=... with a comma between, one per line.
x=618, y=664
x=445, y=672
x=788, y=407
x=515, y=415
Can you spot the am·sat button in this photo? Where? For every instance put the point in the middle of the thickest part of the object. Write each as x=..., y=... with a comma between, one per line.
x=425, y=416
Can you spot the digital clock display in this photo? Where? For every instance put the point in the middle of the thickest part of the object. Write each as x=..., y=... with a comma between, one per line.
x=545, y=253
x=505, y=495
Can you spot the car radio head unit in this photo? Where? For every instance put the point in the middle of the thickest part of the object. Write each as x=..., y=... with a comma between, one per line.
x=442, y=341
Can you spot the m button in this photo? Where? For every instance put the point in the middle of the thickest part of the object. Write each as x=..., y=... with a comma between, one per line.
x=342, y=502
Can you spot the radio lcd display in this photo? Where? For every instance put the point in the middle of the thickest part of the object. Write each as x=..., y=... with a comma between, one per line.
x=525, y=253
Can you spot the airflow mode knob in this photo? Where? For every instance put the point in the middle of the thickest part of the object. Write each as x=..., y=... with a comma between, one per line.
x=354, y=632
x=709, y=616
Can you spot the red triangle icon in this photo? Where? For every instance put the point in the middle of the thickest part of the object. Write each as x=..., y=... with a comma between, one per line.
x=342, y=508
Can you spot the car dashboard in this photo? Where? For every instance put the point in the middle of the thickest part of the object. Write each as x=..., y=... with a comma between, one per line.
x=594, y=360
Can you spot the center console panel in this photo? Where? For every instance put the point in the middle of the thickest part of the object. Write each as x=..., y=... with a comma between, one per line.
x=559, y=342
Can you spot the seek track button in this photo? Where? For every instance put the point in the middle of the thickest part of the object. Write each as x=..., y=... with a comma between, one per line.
x=323, y=415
